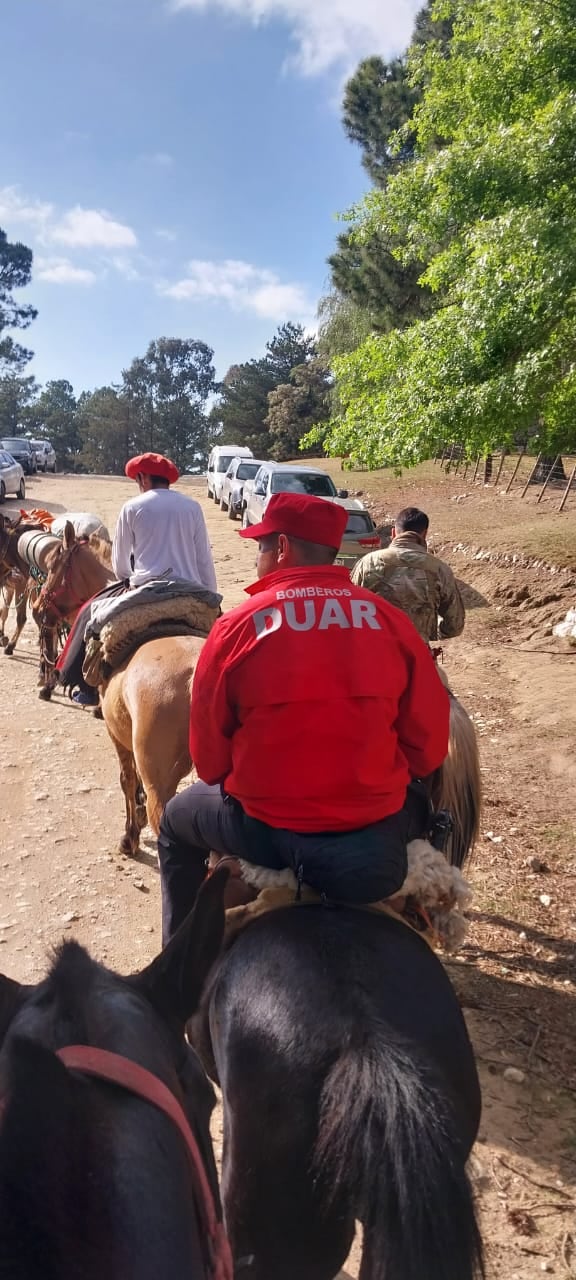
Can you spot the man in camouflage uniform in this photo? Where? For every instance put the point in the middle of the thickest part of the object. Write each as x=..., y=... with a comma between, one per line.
x=420, y=584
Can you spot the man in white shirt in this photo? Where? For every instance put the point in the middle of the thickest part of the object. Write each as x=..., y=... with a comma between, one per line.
x=161, y=533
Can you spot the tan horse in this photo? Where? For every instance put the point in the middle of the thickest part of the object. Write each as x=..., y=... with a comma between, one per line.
x=146, y=708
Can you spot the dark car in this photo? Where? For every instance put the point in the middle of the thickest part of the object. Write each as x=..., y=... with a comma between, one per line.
x=21, y=450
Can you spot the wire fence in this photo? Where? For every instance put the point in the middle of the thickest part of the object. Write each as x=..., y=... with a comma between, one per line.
x=542, y=478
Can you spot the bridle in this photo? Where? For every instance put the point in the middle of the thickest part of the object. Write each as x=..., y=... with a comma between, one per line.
x=137, y=1080
x=49, y=599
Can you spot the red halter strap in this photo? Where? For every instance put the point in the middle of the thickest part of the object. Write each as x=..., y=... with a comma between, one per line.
x=137, y=1080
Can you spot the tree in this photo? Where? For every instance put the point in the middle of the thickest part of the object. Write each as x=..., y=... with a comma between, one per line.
x=242, y=409
x=167, y=391
x=53, y=416
x=296, y=406
x=16, y=394
x=379, y=102
x=15, y=273
x=492, y=214
x=342, y=325
x=105, y=431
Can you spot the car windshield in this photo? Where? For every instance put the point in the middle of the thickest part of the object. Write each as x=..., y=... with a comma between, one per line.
x=359, y=524
x=15, y=444
x=316, y=485
x=247, y=470
x=224, y=461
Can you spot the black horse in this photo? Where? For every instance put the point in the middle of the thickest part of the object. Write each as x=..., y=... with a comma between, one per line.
x=96, y=1179
x=350, y=1093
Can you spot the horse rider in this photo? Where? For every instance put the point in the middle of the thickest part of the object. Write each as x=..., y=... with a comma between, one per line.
x=314, y=705
x=407, y=575
x=160, y=533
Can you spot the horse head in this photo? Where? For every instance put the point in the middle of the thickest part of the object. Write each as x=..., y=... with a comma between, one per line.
x=71, y=1144
x=73, y=575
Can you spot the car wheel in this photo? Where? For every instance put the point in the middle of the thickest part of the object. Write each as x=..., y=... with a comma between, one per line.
x=245, y=520
x=223, y=504
x=21, y=489
x=53, y=469
x=231, y=512
x=2, y=491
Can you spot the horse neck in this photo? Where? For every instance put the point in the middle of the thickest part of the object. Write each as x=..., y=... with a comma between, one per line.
x=93, y=1184
x=87, y=575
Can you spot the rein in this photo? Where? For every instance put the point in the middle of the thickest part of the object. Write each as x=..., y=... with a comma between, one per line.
x=121, y=1071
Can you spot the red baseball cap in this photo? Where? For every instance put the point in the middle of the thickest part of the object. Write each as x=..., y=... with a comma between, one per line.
x=298, y=516
x=152, y=464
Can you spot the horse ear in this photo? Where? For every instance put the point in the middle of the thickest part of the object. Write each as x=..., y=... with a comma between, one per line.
x=175, y=980
x=69, y=535
x=12, y=997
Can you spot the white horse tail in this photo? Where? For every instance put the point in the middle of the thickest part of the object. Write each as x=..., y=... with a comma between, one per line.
x=458, y=784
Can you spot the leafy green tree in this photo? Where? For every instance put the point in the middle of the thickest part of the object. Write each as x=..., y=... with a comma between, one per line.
x=378, y=101
x=240, y=415
x=16, y=394
x=15, y=273
x=295, y=407
x=105, y=431
x=53, y=416
x=167, y=391
x=342, y=325
x=492, y=214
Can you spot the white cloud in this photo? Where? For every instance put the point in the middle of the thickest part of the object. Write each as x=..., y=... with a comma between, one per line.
x=125, y=267
x=92, y=228
x=243, y=287
x=165, y=233
x=16, y=210
x=327, y=33
x=62, y=271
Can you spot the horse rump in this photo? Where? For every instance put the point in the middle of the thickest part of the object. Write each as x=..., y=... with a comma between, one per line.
x=388, y=1141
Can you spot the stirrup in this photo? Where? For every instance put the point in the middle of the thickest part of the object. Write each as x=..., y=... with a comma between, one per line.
x=441, y=828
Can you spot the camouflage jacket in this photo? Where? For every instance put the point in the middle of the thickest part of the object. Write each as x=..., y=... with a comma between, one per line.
x=408, y=576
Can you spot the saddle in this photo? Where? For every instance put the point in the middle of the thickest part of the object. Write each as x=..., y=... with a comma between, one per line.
x=120, y=624
x=431, y=901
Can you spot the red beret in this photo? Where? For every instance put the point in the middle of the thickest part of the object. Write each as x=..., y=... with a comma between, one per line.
x=152, y=464
x=298, y=516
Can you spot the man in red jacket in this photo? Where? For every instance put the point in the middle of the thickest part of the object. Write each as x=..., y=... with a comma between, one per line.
x=314, y=706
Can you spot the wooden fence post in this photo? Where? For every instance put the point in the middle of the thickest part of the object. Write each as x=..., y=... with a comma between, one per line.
x=568, y=488
x=466, y=469
x=532, y=473
x=476, y=468
x=504, y=454
x=548, y=477
x=515, y=471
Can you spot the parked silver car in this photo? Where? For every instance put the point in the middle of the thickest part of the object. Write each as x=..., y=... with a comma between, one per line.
x=11, y=476
x=360, y=535
x=45, y=455
x=239, y=471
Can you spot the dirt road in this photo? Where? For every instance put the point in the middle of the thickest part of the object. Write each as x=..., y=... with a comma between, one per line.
x=61, y=814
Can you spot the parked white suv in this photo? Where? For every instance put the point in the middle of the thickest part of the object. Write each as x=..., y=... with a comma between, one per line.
x=45, y=455
x=218, y=462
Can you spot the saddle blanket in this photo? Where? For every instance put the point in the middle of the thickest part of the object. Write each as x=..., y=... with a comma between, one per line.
x=436, y=891
x=119, y=625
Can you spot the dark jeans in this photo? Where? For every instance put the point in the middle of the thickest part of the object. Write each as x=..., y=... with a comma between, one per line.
x=348, y=866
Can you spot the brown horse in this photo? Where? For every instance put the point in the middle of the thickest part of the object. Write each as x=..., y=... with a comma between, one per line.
x=14, y=578
x=74, y=575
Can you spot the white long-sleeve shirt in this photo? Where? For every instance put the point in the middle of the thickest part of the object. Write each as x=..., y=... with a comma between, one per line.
x=167, y=535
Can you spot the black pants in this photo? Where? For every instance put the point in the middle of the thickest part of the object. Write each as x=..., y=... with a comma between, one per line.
x=351, y=866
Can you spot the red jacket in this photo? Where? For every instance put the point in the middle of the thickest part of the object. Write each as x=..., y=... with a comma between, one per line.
x=315, y=701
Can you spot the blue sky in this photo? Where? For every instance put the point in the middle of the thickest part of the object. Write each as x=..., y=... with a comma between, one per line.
x=176, y=167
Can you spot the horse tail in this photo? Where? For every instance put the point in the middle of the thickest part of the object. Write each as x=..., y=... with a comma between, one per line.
x=388, y=1145
x=458, y=783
